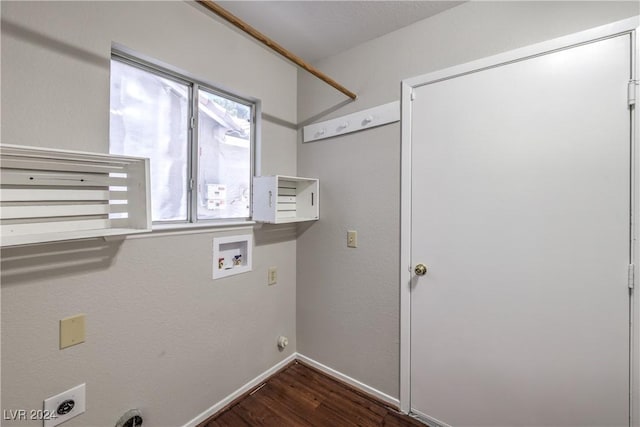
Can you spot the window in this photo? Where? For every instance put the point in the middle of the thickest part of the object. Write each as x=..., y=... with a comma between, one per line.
x=199, y=139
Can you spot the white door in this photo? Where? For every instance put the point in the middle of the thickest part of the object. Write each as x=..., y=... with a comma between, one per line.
x=521, y=212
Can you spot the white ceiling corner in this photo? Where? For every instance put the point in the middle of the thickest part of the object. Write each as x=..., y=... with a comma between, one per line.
x=318, y=29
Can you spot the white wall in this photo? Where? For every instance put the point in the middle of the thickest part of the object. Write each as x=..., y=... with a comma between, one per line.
x=348, y=299
x=162, y=336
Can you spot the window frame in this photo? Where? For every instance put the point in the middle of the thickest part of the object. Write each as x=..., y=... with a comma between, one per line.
x=123, y=55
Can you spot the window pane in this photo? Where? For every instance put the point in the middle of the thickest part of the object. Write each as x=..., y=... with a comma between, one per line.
x=149, y=118
x=224, y=158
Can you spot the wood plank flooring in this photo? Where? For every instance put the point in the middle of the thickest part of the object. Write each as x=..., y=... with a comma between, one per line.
x=300, y=395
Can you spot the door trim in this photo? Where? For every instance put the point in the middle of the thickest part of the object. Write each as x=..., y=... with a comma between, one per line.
x=627, y=26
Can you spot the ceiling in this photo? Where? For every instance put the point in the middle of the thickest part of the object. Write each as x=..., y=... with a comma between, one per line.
x=317, y=29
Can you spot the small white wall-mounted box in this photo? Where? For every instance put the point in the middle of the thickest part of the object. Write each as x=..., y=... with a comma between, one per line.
x=231, y=255
x=282, y=199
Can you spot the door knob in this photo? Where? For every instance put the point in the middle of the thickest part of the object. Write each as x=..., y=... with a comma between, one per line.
x=420, y=269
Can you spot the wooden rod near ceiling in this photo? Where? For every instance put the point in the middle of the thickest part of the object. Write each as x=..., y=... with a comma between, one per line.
x=223, y=13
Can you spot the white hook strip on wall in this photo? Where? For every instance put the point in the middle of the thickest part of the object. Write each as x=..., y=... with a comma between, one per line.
x=354, y=122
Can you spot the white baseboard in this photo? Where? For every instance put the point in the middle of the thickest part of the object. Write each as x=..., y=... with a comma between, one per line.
x=266, y=374
x=239, y=392
x=347, y=379
x=430, y=421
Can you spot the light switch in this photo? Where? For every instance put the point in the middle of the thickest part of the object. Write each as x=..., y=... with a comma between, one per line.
x=72, y=331
x=352, y=239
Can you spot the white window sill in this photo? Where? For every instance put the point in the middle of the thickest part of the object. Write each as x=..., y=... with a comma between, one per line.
x=197, y=225
x=160, y=230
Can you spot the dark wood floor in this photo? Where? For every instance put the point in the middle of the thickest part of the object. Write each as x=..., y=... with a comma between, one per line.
x=300, y=395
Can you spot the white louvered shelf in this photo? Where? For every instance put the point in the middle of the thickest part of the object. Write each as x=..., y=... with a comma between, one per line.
x=49, y=195
x=282, y=199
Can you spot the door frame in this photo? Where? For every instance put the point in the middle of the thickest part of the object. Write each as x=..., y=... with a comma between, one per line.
x=627, y=26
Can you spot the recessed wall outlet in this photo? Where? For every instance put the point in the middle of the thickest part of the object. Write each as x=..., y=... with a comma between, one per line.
x=64, y=406
x=352, y=239
x=72, y=331
x=272, y=276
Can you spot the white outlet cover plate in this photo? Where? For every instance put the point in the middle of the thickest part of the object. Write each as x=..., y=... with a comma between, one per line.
x=272, y=276
x=51, y=404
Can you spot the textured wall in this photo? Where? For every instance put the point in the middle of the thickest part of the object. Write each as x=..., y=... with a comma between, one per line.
x=161, y=334
x=348, y=299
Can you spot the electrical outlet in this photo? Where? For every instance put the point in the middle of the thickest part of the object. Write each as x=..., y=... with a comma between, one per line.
x=272, y=276
x=352, y=239
x=64, y=406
